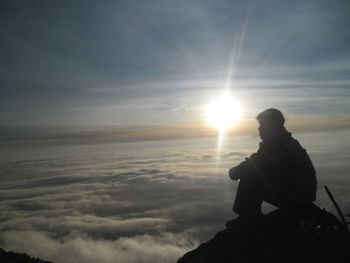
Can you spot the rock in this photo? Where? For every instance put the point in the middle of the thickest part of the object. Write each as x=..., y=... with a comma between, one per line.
x=12, y=257
x=313, y=236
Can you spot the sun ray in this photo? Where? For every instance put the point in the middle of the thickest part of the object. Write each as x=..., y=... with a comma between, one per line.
x=237, y=50
x=223, y=113
x=219, y=111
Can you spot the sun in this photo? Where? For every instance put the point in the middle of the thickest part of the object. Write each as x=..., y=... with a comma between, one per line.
x=223, y=112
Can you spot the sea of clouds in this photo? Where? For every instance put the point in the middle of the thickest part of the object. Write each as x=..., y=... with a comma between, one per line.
x=136, y=202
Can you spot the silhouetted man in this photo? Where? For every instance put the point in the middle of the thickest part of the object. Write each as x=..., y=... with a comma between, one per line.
x=280, y=172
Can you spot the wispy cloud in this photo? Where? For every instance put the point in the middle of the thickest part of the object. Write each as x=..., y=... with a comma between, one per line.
x=93, y=64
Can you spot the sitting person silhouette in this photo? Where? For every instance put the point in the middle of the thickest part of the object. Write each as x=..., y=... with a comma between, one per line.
x=280, y=172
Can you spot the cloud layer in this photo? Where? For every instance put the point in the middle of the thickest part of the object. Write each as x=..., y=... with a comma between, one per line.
x=139, y=202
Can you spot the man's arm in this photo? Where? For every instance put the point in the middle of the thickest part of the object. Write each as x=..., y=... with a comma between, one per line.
x=236, y=172
x=244, y=167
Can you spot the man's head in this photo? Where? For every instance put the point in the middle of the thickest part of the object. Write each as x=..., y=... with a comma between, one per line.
x=271, y=123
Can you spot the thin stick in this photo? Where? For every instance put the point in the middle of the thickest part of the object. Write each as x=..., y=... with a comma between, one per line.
x=337, y=207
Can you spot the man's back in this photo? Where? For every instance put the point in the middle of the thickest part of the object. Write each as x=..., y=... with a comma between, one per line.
x=285, y=165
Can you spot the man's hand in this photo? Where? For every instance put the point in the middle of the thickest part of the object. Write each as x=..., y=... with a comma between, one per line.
x=238, y=171
x=234, y=173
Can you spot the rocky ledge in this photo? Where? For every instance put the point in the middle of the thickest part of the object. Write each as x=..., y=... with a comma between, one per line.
x=12, y=257
x=314, y=236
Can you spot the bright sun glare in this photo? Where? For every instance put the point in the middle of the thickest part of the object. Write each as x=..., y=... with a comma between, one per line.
x=223, y=112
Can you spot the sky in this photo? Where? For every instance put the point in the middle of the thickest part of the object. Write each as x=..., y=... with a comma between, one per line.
x=94, y=68
x=105, y=144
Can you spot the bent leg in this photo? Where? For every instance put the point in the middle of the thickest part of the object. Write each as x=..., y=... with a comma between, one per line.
x=251, y=193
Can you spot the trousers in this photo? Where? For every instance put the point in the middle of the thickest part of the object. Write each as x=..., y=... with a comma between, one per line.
x=250, y=195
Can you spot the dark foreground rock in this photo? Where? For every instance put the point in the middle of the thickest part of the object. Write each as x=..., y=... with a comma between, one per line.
x=314, y=236
x=12, y=257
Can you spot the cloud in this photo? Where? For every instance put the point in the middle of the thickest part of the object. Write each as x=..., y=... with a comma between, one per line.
x=91, y=225
x=21, y=137
x=165, y=248
x=131, y=198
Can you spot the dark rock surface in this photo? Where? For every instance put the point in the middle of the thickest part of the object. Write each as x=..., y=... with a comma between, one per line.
x=313, y=236
x=12, y=257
